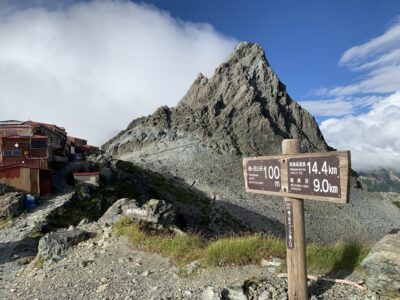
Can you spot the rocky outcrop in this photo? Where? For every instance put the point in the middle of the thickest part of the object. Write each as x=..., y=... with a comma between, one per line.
x=53, y=245
x=156, y=212
x=11, y=205
x=382, y=265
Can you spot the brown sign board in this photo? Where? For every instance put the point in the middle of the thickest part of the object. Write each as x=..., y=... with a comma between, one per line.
x=315, y=176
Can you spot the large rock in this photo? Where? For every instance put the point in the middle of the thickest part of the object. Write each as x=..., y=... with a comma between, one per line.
x=120, y=208
x=157, y=212
x=382, y=265
x=53, y=246
x=160, y=212
x=11, y=205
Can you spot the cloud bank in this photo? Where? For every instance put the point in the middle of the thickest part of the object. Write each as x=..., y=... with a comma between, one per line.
x=373, y=136
x=93, y=67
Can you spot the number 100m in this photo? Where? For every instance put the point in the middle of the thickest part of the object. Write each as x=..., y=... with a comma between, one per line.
x=324, y=186
x=272, y=172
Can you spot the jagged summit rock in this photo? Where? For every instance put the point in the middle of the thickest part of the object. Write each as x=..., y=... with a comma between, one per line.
x=243, y=109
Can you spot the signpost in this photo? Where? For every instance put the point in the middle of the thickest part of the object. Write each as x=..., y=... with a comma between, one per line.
x=316, y=176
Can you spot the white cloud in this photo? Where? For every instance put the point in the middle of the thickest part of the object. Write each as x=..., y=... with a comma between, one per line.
x=373, y=138
x=389, y=41
x=373, y=135
x=93, y=67
x=379, y=59
x=328, y=107
x=340, y=106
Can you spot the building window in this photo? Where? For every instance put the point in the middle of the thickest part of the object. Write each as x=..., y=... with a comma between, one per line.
x=39, y=145
x=9, y=153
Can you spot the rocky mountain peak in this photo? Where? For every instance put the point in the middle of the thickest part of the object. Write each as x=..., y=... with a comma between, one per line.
x=243, y=108
x=246, y=65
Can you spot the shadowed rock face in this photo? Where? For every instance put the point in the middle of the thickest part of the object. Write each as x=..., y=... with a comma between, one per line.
x=242, y=109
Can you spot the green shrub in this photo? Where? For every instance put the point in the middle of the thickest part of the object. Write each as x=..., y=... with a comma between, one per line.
x=242, y=250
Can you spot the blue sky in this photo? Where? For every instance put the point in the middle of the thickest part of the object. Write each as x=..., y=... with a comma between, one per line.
x=303, y=40
x=78, y=63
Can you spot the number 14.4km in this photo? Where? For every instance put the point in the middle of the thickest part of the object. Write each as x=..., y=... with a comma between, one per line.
x=326, y=169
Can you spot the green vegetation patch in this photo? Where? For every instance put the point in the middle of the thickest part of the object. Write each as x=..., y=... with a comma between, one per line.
x=5, y=222
x=397, y=203
x=338, y=257
x=239, y=250
x=181, y=249
x=242, y=250
x=38, y=262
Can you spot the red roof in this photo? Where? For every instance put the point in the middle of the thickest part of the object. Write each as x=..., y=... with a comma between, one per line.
x=36, y=124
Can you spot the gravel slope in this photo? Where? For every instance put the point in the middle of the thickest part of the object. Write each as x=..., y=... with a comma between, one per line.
x=367, y=218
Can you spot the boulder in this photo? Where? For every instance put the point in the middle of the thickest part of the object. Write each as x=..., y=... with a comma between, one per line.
x=120, y=208
x=273, y=265
x=157, y=212
x=160, y=212
x=382, y=265
x=53, y=246
x=234, y=292
x=11, y=205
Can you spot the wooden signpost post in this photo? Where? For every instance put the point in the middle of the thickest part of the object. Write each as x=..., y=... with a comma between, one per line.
x=316, y=176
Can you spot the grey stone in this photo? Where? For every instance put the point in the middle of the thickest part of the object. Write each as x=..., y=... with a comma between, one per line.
x=190, y=268
x=53, y=245
x=117, y=210
x=234, y=292
x=265, y=296
x=210, y=294
x=160, y=212
x=83, y=222
x=382, y=265
x=274, y=262
x=11, y=205
x=157, y=212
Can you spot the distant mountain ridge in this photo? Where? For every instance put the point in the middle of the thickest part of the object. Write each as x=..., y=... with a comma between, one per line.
x=381, y=180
